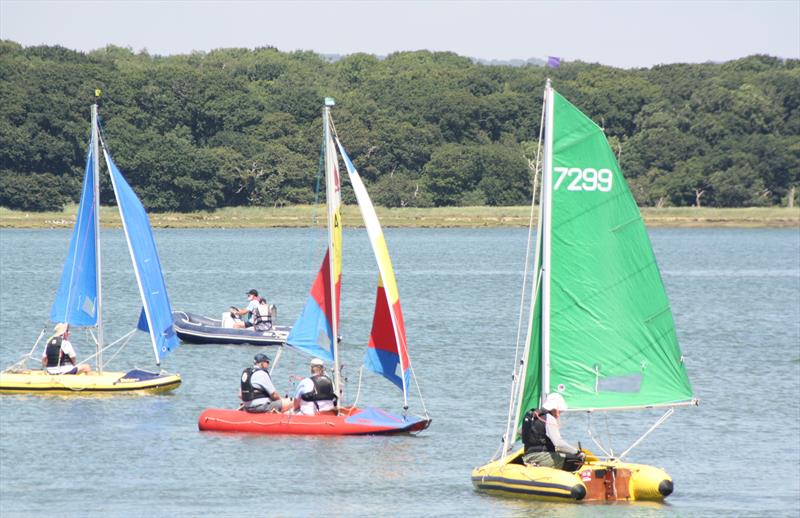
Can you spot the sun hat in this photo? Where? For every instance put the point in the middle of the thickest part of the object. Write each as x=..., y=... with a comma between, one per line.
x=555, y=401
x=316, y=362
x=61, y=328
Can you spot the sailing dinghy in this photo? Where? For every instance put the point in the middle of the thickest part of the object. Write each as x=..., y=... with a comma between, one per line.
x=600, y=328
x=318, y=324
x=78, y=301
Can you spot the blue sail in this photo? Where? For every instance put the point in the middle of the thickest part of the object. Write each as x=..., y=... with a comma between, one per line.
x=156, y=310
x=312, y=332
x=76, y=299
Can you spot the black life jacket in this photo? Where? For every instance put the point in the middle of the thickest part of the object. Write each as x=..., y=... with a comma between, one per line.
x=250, y=392
x=55, y=356
x=534, y=431
x=323, y=391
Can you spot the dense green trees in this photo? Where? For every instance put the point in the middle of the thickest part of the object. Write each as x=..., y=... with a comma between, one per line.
x=243, y=127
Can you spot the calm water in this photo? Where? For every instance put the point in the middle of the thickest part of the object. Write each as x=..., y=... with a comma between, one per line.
x=736, y=298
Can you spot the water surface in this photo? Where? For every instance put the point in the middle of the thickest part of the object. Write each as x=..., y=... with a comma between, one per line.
x=736, y=298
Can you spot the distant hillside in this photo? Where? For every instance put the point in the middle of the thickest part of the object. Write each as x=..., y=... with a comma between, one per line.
x=333, y=58
x=238, y=127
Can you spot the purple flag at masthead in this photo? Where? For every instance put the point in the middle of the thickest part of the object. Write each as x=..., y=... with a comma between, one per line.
x=553, y=62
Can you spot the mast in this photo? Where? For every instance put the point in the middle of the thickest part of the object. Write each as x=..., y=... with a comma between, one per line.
x=547, y=225
x=330, y=194
x=519, y=390
x=96, y=167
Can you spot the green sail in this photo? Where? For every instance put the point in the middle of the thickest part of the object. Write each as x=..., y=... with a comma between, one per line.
x=612, y=338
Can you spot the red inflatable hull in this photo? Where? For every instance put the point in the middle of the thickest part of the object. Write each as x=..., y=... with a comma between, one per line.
x=351, y=421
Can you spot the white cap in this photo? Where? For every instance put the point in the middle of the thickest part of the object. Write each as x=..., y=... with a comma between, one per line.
x=555, y=401
x=316, y=362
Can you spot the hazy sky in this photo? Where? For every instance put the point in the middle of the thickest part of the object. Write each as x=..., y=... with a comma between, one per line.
x=618, y=33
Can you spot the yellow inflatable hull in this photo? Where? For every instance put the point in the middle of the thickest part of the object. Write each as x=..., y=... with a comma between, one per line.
x=94, y=383
x=595, y=481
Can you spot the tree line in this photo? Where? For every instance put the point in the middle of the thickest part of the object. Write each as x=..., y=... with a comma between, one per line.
x=235, y=127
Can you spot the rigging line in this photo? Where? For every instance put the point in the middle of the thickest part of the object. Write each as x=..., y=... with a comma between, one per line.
x=523, y=291
x=358, y=390
x=333, y=127
x=313, y=250
x=123, y=337
x=121, y=347
x=518, y=363
x=419, y=392
x=515, y=376
x=275, y=363
x=24, y=360
x=658, y=423
x=41, y=334
x=320, y=168
x=594, y=438
x=499, y=451
x=608, y=434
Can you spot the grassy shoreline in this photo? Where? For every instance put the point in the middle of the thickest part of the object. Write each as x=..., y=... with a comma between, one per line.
x=441, y=217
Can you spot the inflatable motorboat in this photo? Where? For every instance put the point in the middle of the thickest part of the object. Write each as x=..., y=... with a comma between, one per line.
x=596, y=480
x=350, y=421
x=198, y=329
x=132, y=382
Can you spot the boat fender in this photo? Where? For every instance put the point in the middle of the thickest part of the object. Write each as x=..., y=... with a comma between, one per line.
x=55, y=356
x=323, y=391
x=249, y=392
x=578, y=492
x=534, y=431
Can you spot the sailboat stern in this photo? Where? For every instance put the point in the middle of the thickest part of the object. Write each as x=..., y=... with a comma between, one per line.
x=613, y=481
x=649, y=482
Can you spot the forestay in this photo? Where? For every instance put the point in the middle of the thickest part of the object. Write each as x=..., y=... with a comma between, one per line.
x=318, y=323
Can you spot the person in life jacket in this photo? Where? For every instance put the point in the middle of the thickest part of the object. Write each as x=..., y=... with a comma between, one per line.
x=316, y=394
x=257, y=392
x=542, y=438
x=59, y=356
x=262, y=316
x=252, y=305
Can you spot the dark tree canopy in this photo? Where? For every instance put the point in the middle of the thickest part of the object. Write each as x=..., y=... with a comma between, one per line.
x=243, y=127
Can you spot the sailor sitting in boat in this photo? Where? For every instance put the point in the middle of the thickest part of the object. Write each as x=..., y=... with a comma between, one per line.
x=249, y=311
x=258, y=313
x=59, y=356
x=316, y=394
x=261, y=317
x=257, y=391
x=542, y=438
